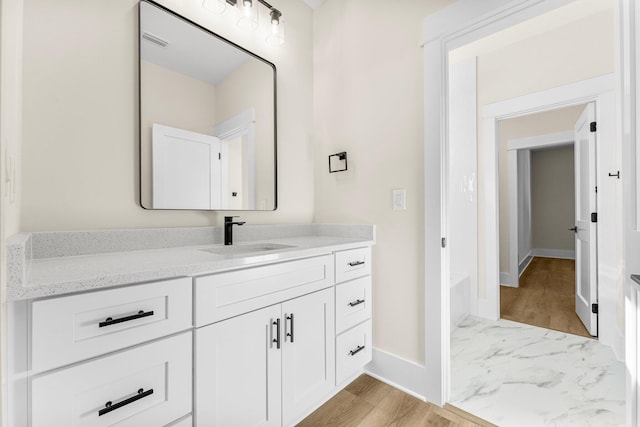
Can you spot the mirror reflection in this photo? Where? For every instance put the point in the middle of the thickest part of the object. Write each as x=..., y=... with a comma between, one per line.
x=207, y=119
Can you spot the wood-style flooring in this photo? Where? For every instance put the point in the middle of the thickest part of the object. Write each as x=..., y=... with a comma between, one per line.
x=546, y=297
x=367, y=402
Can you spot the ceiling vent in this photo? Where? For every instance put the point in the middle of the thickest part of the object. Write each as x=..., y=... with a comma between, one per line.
x=155, y=39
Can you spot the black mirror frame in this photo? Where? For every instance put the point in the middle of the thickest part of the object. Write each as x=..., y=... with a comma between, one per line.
x=275, y=112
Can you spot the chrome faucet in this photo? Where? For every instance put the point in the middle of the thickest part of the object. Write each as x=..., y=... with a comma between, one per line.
x=228, y=229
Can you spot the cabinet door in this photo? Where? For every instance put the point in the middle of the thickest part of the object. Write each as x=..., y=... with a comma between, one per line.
x=238, y=370
x=308, y=356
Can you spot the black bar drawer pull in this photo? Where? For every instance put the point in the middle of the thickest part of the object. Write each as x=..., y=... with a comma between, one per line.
x=356, y=302
x=356, y=351
x=290, y=333
x=276, y=340
x=356, y=263
x=109, y=406
x=111, y=321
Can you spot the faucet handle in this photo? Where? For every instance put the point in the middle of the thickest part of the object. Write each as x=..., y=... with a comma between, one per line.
x=230, y=218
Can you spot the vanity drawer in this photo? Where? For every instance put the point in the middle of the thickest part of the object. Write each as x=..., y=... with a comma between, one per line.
x=77, y=396
x=352, y=264
x=353, y=351
x=76, y=327
x=353, y=303
x=224, y=295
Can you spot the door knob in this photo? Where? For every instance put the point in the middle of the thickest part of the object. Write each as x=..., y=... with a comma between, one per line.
x=574, y=229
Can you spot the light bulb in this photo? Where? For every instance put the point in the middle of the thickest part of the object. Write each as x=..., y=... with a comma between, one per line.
x=276, y=37
x=249, y=18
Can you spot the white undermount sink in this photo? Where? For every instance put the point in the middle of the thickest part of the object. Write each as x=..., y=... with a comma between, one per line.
x=246, y=248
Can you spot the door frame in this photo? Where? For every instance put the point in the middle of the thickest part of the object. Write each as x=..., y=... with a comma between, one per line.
x=456, y=25
x=242, y=125
x=598, y=90
x=514, y=147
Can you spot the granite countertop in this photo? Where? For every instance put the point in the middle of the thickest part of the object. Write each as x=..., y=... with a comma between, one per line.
x=74, y=271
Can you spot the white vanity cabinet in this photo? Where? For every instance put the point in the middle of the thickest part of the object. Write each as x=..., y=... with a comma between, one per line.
x=247, y=345
x=268, y=367
x=353, y=312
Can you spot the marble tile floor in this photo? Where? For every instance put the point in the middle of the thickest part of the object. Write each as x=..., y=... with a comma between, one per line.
x=517, y=375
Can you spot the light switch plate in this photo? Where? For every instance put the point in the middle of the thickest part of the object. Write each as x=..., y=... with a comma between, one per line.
x=399, y=199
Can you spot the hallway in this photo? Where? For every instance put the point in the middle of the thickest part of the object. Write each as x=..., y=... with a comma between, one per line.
x=546, y=297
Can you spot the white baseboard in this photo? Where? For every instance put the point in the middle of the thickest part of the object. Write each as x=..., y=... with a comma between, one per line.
x=397, y=372
x=487, y=310
x=525, y=263
x=553, y=253
x=507, y=280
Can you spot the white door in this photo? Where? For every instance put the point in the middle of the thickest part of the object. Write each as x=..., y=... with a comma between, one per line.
x=308, y=353
x=585, y=209
x=238, y=365
x=186, y=169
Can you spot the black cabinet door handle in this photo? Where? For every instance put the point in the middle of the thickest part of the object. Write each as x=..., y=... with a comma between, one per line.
x=356, y=302
x=111, y=321
x=356, y=351
x=276, y=340
x=109, y=406
x=355, y=263
x=290, y=333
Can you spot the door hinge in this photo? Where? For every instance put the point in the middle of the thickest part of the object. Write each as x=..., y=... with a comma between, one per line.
x=594, y=216
x=594, y=308
x=443, y=242
x=219, y=156
x=593, y=127
x=596, y=188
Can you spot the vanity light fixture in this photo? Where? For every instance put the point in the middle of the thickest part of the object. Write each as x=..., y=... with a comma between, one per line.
x=248, y=16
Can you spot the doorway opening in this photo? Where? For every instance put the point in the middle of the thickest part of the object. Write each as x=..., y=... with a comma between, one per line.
x=482, y=343
x=538, y=199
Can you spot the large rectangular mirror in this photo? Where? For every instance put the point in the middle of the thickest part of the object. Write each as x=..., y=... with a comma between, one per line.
x=207, y=118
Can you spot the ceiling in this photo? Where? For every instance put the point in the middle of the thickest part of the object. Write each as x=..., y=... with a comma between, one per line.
x=314, y=3
x=189, y=51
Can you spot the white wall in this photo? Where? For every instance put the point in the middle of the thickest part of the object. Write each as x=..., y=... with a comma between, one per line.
x=80, y=130
x=10, y=154
x=368, y=101
x=553, y=198
x=462, y=203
